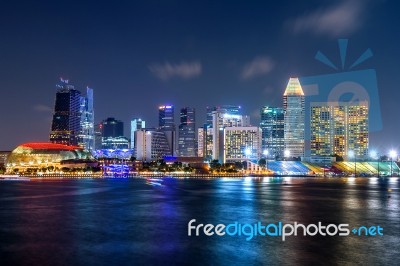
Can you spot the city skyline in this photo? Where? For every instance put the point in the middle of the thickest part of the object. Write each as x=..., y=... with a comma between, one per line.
x=167, y=61
x=205, y=132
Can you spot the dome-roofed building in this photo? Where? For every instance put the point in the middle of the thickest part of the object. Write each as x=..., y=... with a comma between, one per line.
x=44, y=156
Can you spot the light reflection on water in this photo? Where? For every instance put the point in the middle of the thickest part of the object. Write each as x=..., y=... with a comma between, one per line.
x=132, y=221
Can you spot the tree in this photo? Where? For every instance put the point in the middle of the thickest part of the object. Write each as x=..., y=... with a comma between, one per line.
x=214, y=164
x=96, y=169
x=65, y=169
x=2, y=169
x=239, y=165
x=188, y=169
x=262, y=162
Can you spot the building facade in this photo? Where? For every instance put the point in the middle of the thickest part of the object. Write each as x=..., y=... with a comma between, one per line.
x=86, y=136
x=112, y=133
x=187, y=133
x=166, y=123
x=205, y=142
x=150, y=145
x=65, y=127
x=241, y=143
x=136, y=124
x=97, y=136
x=338, y=128
x=358, y=130
x=225, y=116
x=272, y=125
x=294, y=118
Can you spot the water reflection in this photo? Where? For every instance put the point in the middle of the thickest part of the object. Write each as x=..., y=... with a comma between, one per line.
x=128, y=221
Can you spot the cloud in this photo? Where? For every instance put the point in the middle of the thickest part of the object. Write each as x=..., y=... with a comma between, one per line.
x=184, y=70
x=42, y=108
x=338, y=20
x=269, y=90
x=258, y=67
x=255, y=113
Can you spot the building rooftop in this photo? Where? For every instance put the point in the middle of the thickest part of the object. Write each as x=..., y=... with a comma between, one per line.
x=294, y=88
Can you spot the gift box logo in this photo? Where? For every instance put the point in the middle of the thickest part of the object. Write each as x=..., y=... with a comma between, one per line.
x=344, y=86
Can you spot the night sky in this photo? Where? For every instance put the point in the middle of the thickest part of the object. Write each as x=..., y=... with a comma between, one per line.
x=137, y=55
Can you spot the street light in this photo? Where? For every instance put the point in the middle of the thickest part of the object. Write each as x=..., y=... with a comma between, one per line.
x=287, y=153
x=247, y=152
x=351, y=155
x=374, y=155
x=392, y=154
x=265, y=152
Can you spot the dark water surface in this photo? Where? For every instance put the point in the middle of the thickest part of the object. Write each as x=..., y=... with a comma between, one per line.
x=137, y=222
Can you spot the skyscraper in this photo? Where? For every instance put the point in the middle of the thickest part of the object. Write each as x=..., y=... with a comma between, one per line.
x=187, y=133
x=293, y=105
x=204, y=142
x=205, y=136
x=166, y=122
x=358, y=131
x=65, y=127
x=337, y=128
x=272, y=126
x=322, y=130
x=136, y=124
x=209, y=118
x=86, y=136
x=166, y=118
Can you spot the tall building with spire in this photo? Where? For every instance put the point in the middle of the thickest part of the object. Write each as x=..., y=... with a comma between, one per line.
x=86, y=136
x=294, y=118
x=65, y=126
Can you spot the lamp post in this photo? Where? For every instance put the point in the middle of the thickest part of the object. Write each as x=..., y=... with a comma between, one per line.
x=265, y=152
x=374, y=155
x=392, y=154
x=287, y=153
x=247, y=153
x=351, y=155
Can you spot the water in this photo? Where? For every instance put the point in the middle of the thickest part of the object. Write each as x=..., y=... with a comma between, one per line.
x=137, y=222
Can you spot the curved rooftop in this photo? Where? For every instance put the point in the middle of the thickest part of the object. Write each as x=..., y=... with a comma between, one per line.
x=33, y=154
x=49, y=146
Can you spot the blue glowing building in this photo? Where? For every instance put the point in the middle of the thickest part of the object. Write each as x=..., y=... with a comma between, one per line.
x=86, y=136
